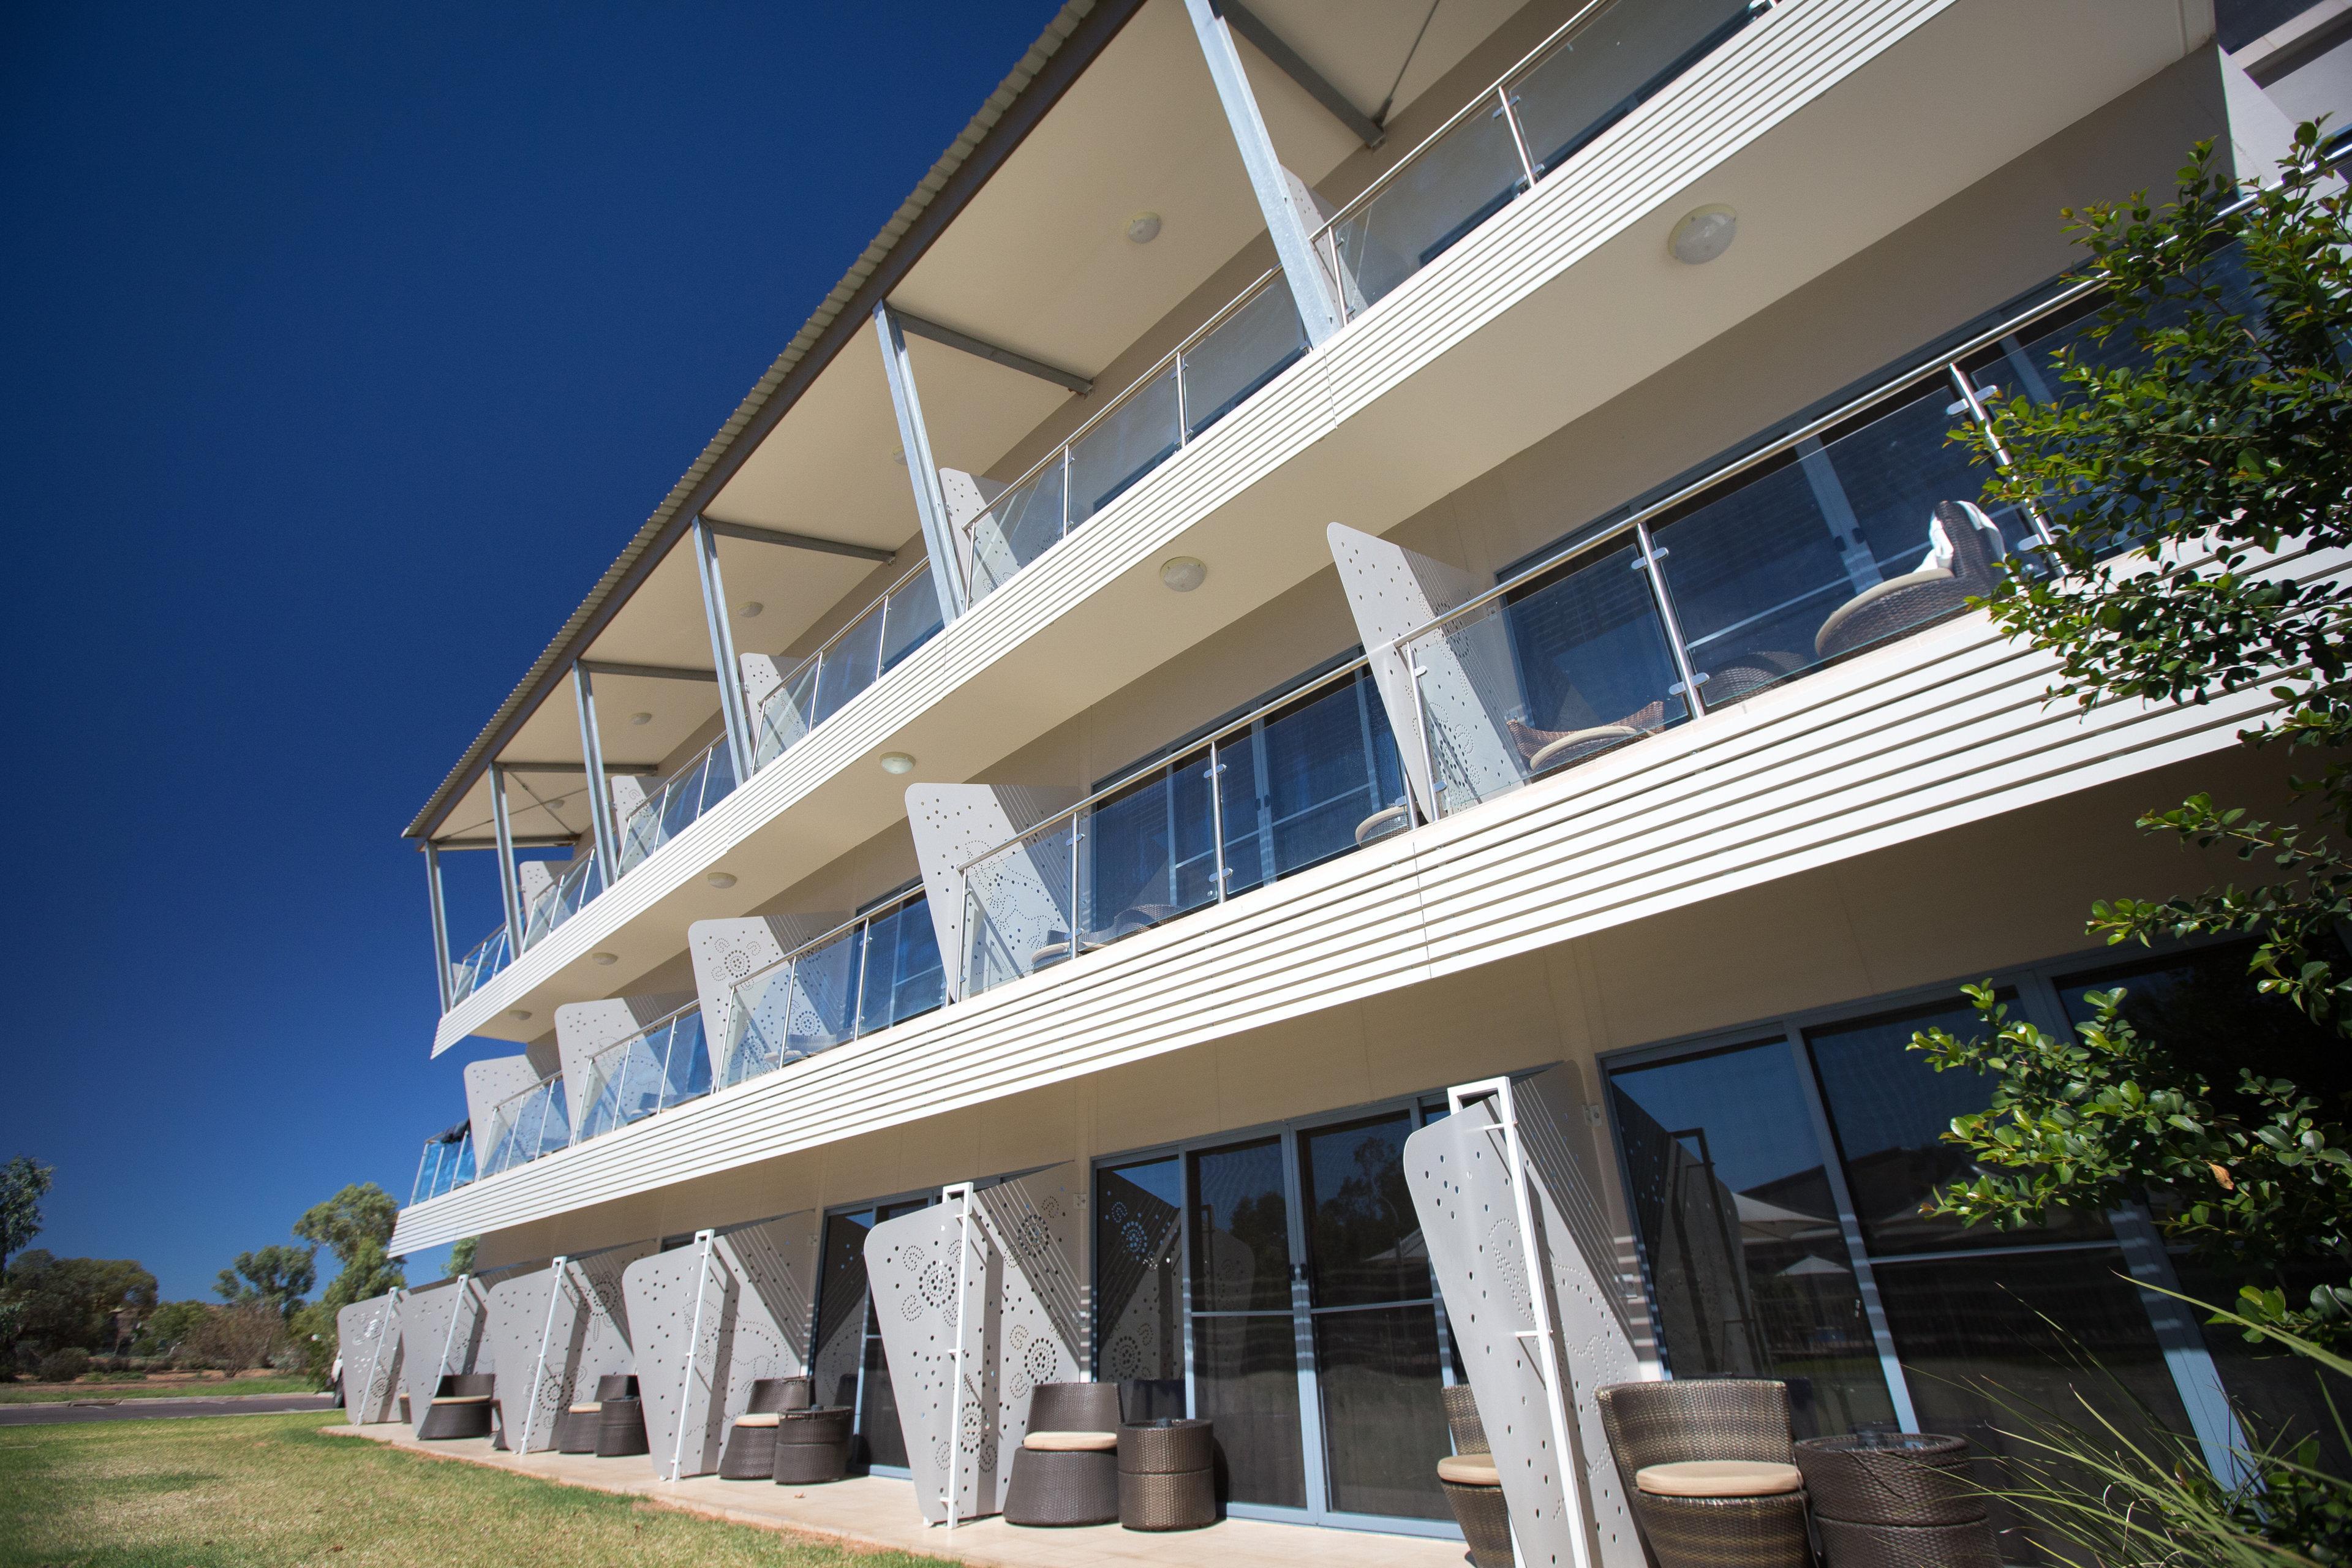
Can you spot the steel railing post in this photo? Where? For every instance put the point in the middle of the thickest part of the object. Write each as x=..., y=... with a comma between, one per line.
x=383, y=1332
x=960, y=1190
x=693, y=1341
x=539, y=1368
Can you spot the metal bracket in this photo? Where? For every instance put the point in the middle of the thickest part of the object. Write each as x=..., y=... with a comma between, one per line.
x=980, y=348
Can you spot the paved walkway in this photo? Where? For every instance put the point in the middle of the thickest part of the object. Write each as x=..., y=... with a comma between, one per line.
x=161, y=1409
x=877, y=1512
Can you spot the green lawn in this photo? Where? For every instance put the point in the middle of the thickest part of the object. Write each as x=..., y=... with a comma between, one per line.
x=267, y=1490
x=63, y=1392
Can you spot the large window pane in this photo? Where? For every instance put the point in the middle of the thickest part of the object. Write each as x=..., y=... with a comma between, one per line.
x=1241, y=1230
x=1149, y=852
x=1246, y=1380
x=903, y=977
x=1747, y=1264
x=1138, y=1291
x=1891, y=1111
x=1594, y=667
x=1376, y=1374
x=1834, y=547
x=1307, y=783
x=1363, y=1238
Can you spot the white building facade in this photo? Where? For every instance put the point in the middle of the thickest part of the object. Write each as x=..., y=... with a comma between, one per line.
x=1328, y=553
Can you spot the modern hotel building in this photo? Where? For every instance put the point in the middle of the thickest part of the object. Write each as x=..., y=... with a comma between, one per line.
x=1328, y=552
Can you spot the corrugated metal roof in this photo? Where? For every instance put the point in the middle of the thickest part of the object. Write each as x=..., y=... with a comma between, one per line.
x=1069, y=43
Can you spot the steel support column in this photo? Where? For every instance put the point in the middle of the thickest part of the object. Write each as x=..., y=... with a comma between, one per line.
x=930, y=500
x=1282, y=198
x=510, y=887
x=600, y=798
x=440, y=923
x=705, y=546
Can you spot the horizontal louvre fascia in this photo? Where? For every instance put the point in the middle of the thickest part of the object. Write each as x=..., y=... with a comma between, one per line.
x=1950, y=727
x=1764, y=75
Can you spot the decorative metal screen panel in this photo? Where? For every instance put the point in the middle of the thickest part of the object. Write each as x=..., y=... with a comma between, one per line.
x=444, y=1330
x=367, y=1335
x=727, y=953
x=553, y=1333
x=1459, y=1173
x=1466, y=684
x=751, y=1289
x=584, y=1029
x=489, y=1082
x=1017, y=1286
x=954, y=823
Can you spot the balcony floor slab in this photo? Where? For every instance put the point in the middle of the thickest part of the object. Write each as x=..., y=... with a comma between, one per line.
x=876, y=1512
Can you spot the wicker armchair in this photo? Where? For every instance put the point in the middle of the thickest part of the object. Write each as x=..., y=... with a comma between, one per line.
x=1542, y=749
x=1473, y=1485
x=1067, y=1470
x=460, y=1407
x=576, y=1428
x=1962, y=560
x=1715, y=1481
x=750, y=1451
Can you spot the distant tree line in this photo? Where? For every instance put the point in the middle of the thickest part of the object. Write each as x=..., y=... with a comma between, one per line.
x=59, y=1314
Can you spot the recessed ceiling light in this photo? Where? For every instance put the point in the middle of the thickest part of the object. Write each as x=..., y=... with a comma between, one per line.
x=1182, y=573
x=641, y=718
x=1143, y=228
x=720, y=879
x=1704, y=234
x=750, y=609
x=604, y=959
x=897, y=763
x=520, y=1014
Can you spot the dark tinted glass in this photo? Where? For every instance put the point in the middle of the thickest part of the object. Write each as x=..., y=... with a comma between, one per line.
x=1363, y=1239
x=1891, y=1111
x=1376, y=1373
x=1139, y=1295
x=1241, y=1229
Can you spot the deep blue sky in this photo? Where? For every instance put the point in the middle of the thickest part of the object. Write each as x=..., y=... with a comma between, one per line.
x=343, y=348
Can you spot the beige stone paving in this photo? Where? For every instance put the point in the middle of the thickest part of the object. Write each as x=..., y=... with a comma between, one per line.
x=878, y=1512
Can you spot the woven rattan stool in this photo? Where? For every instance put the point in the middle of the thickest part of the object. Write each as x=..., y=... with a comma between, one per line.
x=460, y=1407
x=575, y=1428
x=1066, y=1471
x=813, y=1445
x=1904, y=1501
x=1167, y=1475
x=620, y=1429
x=1704, y=1421
x=750, y=1451
x=1473, y=1488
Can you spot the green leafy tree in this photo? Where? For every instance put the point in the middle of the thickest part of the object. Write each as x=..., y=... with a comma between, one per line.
x=23, y=1185
x=170, y=1326
x=461, y=1254
x=73, y=1301
x=362, y=1213
x=2200, y=451
x=275, y=1276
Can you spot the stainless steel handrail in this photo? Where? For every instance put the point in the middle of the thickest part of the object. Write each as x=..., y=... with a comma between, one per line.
x=887, y=905
x=857, y=620
x=1149, y=770
x=627, y=1040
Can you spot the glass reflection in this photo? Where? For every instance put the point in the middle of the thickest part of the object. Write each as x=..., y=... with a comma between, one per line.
x=1244, y=1338
x=1139, y=1296
x=1748, y=1269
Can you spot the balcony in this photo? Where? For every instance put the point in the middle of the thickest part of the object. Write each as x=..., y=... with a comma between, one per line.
x=876, y=639
x=879, y=969
x=1300, y=780
x=683, y=796
x=446, y=1164
x=525, y=1125
x=662, y=1065
x=1204, y=378
x=1603, y=64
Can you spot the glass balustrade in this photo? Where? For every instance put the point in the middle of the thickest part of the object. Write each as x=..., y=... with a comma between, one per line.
x=879, y=969
x=1302, y=780
x=1242, y=348
x=872, y=644
x=683, y=796
x=578, y=883
x=1853, y=530
x=489, y=956
x=1595, y=71
x=526, y=1125
x=446, y=1164
x=663, y=1064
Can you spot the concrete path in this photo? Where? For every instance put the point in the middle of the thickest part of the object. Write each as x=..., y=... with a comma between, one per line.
x=161, y=1409
x=876, y=1511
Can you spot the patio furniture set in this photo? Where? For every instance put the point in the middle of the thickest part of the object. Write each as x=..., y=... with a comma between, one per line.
x=1083, y=1462
x=785, y=1436
x=1718, y=1482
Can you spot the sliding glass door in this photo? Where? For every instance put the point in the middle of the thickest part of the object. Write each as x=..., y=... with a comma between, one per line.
x=1275, y=1285
x=846, y=1363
